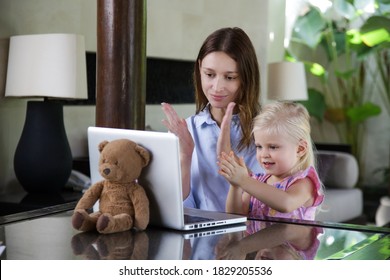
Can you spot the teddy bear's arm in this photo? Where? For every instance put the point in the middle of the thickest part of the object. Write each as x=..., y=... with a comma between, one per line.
x=90, y=197
x=141, y=207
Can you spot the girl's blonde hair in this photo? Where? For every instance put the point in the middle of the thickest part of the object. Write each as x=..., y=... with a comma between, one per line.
x=290, y=119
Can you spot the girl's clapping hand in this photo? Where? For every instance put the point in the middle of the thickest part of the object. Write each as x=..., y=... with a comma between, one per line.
x=232, y=169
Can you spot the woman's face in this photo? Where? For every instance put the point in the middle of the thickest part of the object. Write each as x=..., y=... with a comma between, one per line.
x=220, y=79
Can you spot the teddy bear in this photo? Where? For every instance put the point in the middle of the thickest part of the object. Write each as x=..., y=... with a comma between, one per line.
x=123, y=203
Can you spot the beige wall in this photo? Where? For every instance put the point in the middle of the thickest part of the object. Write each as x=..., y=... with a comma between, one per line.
x=175, y=29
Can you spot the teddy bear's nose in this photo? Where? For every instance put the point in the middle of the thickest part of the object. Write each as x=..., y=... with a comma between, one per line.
x=106, y=171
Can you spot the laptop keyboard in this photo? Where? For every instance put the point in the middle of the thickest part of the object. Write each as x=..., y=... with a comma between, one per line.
x=188, y=219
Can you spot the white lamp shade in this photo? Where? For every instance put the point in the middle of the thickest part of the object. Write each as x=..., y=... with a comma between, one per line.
x=47, y=65
x=287, y=81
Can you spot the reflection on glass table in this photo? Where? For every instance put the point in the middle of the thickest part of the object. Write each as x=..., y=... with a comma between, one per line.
x=270, y=241
x=52, y=237
x=350, y=245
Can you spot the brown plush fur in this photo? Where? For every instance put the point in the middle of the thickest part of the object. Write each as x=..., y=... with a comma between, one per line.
x=123, y=203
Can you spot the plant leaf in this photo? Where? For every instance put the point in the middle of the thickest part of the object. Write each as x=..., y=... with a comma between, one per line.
x=346, y=74
x=338, y=42
x=344, y=8
x=316, y=70
x=308, y=28
x=354, y=37
x=375, y=30
x=335, y=115
x=384, y=6
x=363, y=112
x=315, y=105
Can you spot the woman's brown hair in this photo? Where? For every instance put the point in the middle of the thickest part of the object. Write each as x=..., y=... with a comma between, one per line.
x=235, y=43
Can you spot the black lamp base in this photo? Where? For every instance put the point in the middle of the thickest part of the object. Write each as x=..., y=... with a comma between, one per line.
x=43, y=158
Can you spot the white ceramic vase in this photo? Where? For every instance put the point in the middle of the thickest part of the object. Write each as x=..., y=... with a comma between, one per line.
x=382, y=215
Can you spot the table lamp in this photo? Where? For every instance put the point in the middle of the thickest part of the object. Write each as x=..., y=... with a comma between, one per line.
x=51, y=66
x=287, y=81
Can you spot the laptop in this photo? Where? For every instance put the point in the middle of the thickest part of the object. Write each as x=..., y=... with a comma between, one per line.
x=161, y=179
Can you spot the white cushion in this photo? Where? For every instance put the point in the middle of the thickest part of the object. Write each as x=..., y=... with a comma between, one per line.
x=341, y=205
x=343, y=172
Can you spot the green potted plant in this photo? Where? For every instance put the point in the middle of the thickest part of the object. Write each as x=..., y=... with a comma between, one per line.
x=347, y=50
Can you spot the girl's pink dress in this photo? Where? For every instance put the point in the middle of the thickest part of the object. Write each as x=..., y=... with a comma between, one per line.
x=258, y=208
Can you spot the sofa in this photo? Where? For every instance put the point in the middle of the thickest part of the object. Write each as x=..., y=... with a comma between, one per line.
x=339, y=173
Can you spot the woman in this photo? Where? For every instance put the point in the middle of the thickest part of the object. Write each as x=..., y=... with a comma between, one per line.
x=226, y=71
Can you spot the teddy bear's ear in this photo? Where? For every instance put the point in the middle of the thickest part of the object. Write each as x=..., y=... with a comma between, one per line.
x=102, y=145
x=144, y=155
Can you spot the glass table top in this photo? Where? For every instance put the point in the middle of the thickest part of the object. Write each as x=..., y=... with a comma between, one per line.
x=51, y=237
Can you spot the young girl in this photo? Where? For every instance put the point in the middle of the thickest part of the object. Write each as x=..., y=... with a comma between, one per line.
x=290, y=186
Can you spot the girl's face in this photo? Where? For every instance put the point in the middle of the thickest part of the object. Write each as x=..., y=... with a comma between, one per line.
x=277, y=154
x=220, y=79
